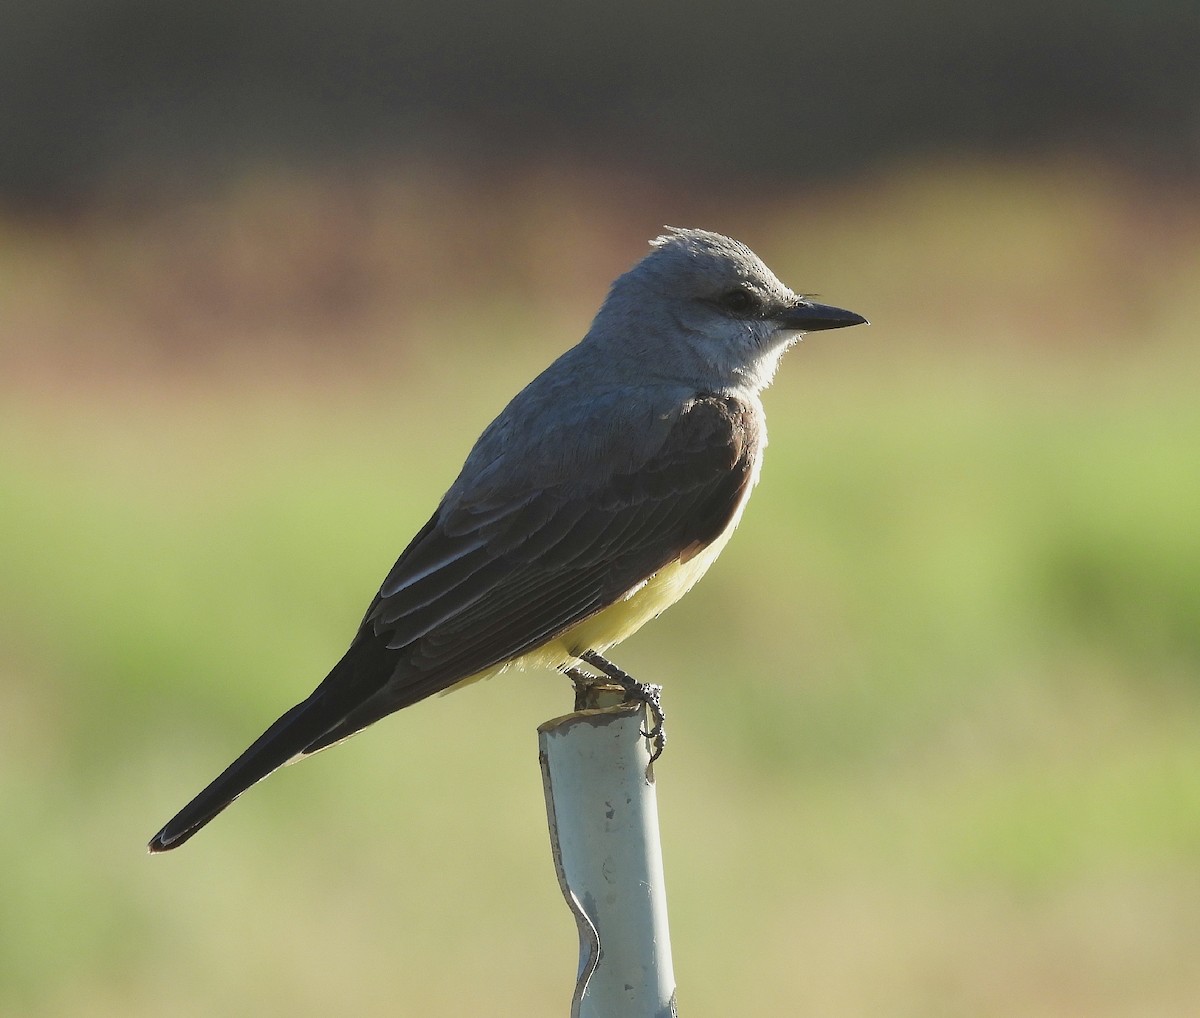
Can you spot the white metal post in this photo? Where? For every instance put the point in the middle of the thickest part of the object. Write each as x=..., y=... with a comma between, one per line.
x=603, y=814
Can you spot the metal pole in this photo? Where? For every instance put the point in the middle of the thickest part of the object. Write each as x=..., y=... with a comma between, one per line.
x=603, y=815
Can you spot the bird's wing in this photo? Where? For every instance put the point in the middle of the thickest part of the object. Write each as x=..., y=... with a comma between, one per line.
x=489, y=580
x=494, y=580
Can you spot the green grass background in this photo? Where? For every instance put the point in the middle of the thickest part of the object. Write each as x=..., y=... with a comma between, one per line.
x=935, y=715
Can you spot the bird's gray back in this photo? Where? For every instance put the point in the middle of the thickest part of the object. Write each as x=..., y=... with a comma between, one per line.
x=568, y=425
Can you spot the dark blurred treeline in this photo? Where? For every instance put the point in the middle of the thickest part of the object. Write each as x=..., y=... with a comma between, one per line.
x=759, y=90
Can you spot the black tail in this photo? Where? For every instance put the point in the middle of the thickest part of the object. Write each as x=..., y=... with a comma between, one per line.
x=289, y=736
x=356, y=693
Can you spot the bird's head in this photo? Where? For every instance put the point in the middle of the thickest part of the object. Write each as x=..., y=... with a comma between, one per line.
x=703, y=308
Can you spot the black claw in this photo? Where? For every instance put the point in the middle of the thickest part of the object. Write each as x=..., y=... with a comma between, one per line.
x=635, y=692
x=658, y=734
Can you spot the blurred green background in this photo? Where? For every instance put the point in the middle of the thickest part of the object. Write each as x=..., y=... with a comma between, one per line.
x=266, y=271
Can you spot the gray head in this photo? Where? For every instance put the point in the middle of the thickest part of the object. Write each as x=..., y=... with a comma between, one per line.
x=704, y=309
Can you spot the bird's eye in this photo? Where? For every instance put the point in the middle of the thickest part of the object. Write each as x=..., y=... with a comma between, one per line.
x=739, y=300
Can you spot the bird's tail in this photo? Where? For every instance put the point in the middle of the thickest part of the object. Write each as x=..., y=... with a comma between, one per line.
x=286, y=739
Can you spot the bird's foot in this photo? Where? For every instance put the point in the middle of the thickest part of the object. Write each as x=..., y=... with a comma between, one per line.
x=635, y=692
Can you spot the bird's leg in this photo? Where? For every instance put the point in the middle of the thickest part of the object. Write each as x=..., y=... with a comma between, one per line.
x=583, y=682
x=639, y=692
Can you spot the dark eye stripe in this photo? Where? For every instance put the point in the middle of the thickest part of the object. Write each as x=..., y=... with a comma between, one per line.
x=740, y=301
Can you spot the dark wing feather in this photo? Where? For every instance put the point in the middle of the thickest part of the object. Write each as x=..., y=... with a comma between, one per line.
x=580, y=548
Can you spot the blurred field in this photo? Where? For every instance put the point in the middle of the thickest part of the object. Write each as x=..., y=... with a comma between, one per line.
x=935, y=715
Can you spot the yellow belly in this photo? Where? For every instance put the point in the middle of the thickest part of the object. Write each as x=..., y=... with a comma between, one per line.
x=624, y=618
x=621, y=619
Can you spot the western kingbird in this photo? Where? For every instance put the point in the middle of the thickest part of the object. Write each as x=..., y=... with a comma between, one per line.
x=596, y=499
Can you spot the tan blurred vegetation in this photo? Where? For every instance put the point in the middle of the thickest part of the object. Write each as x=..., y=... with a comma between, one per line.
x=935, y=715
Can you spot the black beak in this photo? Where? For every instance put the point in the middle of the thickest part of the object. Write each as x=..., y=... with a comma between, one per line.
x=805, y=316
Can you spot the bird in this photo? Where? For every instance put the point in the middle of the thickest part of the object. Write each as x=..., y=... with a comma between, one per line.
x=595, y=500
